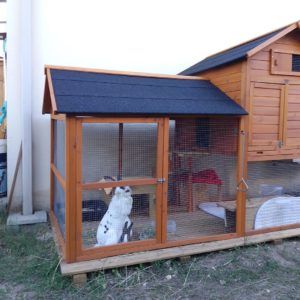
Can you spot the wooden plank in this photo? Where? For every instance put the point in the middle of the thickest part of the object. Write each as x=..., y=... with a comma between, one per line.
x=270, y=236
x=128, y=73
x=281, y=115
x=267, y=120
x=266, y=111
x=130, y=182
x=261, y=148
x=285, y=112
x=118, y=120
x=265, y=136
x=71, y=213
x=266, y=92
x=266, y=102
x=148, y=256
x=261, y=128
x=167, y=253
x=259, y=64
x=58, y=237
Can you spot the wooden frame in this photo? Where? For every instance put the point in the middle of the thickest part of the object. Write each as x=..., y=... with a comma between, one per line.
x=273, y=64
x=73, y=186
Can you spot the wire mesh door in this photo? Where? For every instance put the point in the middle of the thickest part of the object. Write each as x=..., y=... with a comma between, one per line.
x=273, y=198
x=202, y=177
x=121, y=164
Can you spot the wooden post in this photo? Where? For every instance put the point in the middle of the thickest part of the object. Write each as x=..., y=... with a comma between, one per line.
x=121, y=131
x=71, y=217
x=164, y=207
x=241, y=174
x=51, y=162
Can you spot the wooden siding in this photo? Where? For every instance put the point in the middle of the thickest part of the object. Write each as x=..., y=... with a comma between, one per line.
x=228, y=79
x=274, y=99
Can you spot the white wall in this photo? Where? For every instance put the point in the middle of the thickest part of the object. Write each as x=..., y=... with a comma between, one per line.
x=150, y=36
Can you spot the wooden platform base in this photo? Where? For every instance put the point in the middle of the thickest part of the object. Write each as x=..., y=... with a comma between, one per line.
x=150, y=256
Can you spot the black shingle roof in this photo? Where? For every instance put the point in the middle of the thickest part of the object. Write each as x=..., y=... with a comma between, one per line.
x=228, y=56
x=78, y=92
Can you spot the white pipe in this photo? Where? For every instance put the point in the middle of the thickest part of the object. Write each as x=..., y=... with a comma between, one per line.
x=26, y=84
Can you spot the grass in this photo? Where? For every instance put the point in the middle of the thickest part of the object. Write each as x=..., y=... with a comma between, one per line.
x=29, y=270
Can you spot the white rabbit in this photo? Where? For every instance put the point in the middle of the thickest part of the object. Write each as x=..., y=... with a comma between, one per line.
x=115, y=225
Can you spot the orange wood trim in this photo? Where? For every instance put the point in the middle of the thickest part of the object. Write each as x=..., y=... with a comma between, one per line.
x=159, y=186
x=71, y=215
x=164, y=208
x=60, y=117
x=241, y=195
x=272, y=229
x=78, y=188
x=132, y=182
x=272, y=39
x=106, y=251
x=118, y=120
x=58, y=176
x=58, y=234
x=51, y=90
x=94, y=253
x=127, y=73
x=51, y=163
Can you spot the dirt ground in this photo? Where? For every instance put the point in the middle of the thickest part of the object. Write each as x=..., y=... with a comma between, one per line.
x=29, y=269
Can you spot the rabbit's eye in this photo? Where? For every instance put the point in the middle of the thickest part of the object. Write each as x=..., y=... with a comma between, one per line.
x=122, y=187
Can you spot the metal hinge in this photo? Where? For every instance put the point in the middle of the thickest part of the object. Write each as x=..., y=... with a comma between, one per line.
x=161, y=180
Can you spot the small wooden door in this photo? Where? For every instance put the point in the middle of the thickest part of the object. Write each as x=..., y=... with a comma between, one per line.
x=119, y=152
x=266, y=113
x=292, y=127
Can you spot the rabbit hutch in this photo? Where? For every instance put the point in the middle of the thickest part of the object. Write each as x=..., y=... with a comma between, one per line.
x=263, y=76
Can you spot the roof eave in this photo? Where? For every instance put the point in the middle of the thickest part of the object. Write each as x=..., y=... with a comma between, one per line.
x=273, y=39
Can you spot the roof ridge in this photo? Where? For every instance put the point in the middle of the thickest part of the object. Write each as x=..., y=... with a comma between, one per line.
x=125, y=73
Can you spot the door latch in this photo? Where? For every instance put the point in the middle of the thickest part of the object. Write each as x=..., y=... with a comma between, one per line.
x=161, y=180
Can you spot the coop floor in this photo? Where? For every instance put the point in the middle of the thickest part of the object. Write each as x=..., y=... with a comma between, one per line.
x=188, y=225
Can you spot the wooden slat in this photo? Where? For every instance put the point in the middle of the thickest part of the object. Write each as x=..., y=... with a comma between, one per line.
x=259, y=64
x=58, y=237
x=130, y=182
x=263, y=92
x=266, y=111
x=51, y=163
x=260, y=128
x=266, y=102
x=267, y=120
x=57, y=174
x=118, y=120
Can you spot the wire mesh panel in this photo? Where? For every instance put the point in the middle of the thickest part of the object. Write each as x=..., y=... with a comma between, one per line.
x=59, y=205
x=116, y=150
x=59, y=146
x=118, y=215
x=202, y=177
x=273, y=198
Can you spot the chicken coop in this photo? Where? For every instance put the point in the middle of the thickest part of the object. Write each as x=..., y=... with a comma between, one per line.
x=263, y=76
x=168, y=148
x=147, y=166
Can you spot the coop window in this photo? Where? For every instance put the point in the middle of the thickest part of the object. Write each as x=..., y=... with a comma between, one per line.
x=203, y=132
x=296, y=63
